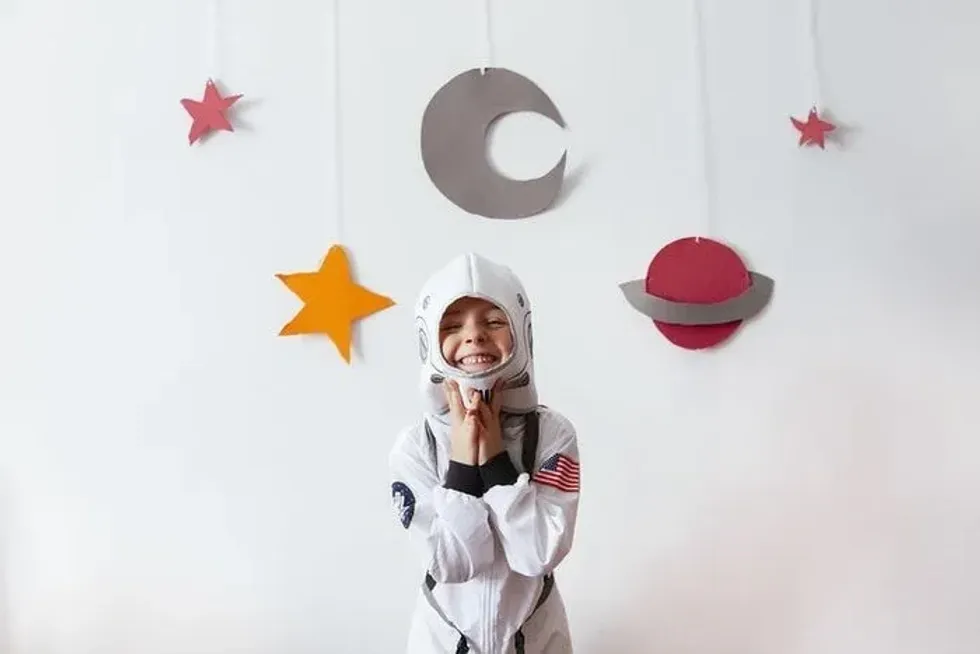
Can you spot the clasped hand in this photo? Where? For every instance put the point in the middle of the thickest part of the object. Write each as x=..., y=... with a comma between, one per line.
x=475, y=433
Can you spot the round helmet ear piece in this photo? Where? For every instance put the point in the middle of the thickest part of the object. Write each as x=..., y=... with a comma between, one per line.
x=423, y=345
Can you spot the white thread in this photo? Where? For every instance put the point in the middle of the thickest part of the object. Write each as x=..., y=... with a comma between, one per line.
x=704, y=119
x=813, y=54
x=338, y=190
x=487, y=37
x=213, y=19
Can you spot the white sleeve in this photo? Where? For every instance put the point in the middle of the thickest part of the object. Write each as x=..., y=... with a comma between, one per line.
x=534, y=516
x=449, y=529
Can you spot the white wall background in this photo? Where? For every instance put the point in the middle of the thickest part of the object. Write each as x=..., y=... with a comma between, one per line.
x=174, y=479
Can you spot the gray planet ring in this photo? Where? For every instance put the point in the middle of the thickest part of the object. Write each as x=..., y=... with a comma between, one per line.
x=454, y=144
x=741, y=307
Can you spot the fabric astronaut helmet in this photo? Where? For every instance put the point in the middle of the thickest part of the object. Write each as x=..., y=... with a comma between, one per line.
x=471, y=275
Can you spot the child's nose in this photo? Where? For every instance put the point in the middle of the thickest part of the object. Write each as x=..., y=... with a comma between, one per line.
x=475, y=334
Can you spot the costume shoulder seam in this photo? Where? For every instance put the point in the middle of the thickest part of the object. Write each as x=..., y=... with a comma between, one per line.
x=408, y=440
x=555, y=420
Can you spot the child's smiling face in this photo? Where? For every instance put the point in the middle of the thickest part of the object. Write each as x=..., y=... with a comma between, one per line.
x=475, y=335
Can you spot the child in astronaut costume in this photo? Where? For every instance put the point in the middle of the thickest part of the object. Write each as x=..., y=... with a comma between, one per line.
x=489, y=502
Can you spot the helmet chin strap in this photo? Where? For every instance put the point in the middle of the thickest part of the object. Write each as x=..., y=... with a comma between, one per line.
x=485, y=394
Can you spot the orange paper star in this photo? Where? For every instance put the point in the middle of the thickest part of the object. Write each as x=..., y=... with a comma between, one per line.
x=332, y=301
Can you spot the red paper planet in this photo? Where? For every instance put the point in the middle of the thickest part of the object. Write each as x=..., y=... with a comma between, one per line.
x=698, y=291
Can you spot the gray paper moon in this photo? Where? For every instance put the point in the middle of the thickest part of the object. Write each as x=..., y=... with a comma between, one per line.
x=454, y=144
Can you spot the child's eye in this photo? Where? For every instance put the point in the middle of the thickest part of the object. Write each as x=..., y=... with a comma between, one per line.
x=497, y=323
x=450, y=327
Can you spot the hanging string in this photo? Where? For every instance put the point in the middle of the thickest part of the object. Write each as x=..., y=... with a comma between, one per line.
x=704, y=120
x=213, y=38
x=338, y=167
x=487, y=37
x=813, y=54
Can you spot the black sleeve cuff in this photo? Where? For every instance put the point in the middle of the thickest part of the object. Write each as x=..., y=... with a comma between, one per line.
x=464, y=478
x=498, y=471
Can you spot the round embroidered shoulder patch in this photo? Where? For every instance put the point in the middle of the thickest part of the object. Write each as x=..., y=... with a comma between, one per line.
x=403, y=500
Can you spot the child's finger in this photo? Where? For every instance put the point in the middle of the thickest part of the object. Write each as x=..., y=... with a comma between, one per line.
x=478, y=413
x=478, y=426
x=485, y=414
x=496, y=398
x=452, y=396
x=472, y=423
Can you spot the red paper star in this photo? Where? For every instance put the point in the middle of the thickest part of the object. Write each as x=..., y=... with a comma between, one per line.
x=209, y=113
x=814, y=130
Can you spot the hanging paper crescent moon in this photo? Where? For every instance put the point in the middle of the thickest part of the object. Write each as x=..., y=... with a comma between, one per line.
x=454, y=144
x=698, y=292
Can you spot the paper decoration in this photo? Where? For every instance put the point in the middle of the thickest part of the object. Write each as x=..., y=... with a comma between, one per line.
x=209, y=113
x=814, y=130
x=698, y=292
x=332, y=301
x=454, y=148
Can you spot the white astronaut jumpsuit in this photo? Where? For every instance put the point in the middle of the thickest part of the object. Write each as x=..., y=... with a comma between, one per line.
x=488, y=537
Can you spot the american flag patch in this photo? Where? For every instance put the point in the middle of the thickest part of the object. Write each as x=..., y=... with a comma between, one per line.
x=558, y=472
